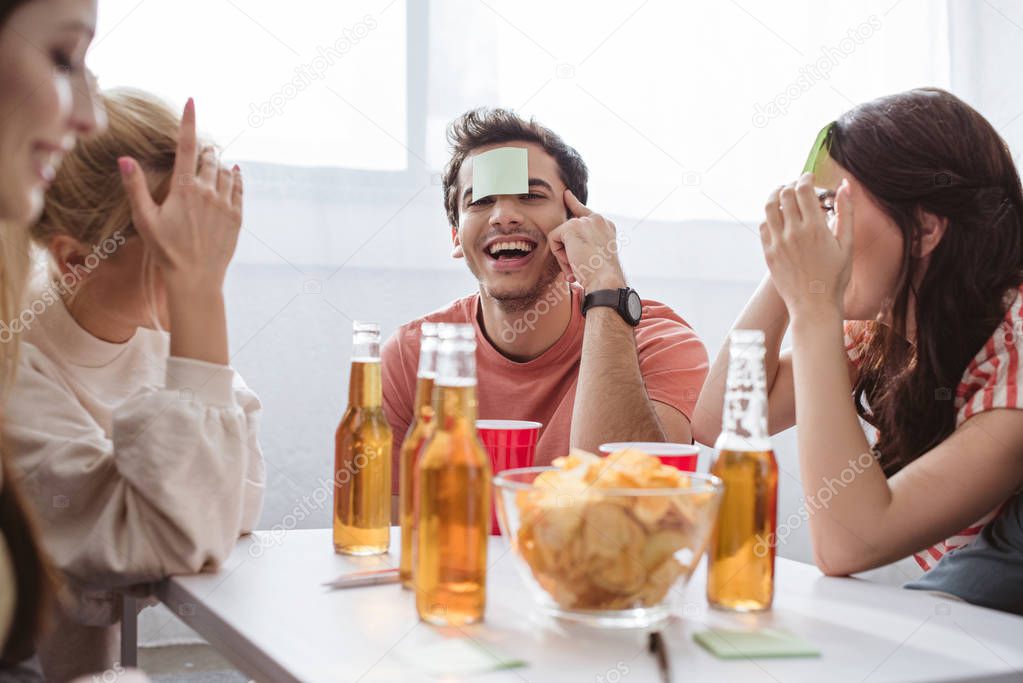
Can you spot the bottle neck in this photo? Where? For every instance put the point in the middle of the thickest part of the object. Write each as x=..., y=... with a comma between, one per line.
x=744, y=420
x=424, y=396
x=365, y=386
x=454, y=405
x=427, y=357
x=454, y=395
x=426, y=377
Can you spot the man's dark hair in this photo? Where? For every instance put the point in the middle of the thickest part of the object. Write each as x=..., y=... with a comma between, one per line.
x=485, y=126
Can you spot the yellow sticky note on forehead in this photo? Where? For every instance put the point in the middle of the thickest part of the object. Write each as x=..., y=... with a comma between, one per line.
x=504, y=170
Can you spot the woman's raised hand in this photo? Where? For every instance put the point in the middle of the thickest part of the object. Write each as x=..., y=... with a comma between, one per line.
x=810, y=265
x=191, y=235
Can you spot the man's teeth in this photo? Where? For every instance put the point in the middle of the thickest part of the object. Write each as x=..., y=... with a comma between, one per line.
x=511, y=246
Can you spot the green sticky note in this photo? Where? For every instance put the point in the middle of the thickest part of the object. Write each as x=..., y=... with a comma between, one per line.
x=818, y=147
x=458, y=657
x=504, y=170
x=768, y=642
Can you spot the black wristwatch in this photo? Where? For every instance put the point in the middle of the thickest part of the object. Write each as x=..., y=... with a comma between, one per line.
x=626, y=301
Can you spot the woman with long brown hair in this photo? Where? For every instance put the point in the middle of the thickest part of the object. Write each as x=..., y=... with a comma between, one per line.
x=897, y=269
x=47, y=100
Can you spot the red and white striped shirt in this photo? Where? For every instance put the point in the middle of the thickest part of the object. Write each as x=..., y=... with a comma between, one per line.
x=991, y=380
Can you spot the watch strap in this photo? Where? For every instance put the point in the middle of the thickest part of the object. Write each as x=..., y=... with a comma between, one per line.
x=618, y=299
x=603, y=297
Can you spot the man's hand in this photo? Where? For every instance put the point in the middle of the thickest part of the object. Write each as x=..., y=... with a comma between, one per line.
x=586, y=248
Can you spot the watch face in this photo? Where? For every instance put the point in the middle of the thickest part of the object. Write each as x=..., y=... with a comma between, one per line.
x=635, y=306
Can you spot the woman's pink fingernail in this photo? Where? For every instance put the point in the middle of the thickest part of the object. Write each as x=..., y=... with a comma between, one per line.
x=126, y=165
x=236, y=168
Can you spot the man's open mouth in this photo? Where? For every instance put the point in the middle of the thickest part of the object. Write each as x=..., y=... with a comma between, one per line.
x=507, y=250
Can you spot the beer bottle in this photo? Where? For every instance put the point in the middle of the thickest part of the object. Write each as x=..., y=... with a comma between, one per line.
x=740, y=563
x=362, y=454
x=453, y=493
x=418, y=432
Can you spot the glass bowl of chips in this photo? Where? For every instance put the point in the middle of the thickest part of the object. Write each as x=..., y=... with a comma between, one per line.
x=609, y=542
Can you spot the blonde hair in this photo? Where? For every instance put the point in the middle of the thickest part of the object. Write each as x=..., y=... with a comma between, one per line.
x=87, y=200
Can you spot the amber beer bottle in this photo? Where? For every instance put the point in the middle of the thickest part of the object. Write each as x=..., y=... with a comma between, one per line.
x=362, y=454
x=418, y=432
x=453, y=492
x=740, y=564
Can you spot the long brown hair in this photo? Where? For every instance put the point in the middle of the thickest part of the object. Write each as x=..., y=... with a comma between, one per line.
x=926, y=150
x=36, y=580
x=7, y=7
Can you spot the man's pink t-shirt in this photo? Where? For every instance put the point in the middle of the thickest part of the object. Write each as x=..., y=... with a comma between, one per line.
x=672, y=359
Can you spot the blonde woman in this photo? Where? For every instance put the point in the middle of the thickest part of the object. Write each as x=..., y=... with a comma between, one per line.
x=138, y=448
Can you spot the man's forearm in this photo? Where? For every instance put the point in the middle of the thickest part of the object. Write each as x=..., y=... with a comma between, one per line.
x=611, y=402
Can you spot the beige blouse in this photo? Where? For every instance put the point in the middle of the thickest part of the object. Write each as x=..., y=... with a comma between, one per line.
x=139, y=465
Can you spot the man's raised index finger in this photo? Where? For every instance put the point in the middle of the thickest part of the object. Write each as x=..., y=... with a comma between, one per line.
x=576, y=207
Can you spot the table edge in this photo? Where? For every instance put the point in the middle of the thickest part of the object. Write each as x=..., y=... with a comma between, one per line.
x=255, y=663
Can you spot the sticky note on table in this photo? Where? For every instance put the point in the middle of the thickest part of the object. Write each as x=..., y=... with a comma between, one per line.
x=504, y=170
x=768, y=642
x=457, y=657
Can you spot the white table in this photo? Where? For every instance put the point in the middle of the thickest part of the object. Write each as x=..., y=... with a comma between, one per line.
x=267, y=612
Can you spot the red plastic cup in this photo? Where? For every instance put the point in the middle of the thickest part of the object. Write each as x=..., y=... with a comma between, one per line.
x=511, y=444
x=682, y=456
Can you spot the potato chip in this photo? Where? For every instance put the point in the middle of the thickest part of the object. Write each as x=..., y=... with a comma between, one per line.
x=622, y=573
x=660, y=581
x=557, y=525
x=651, y=509
x=610, y=531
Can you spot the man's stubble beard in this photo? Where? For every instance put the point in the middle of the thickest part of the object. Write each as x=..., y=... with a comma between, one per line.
x=525, y=299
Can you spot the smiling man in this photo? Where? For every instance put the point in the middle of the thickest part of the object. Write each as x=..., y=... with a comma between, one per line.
x=561, y=339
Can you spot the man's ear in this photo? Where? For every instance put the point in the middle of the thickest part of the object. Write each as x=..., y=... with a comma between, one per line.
x=931, y=231
x=456, y=249
x=68, y=254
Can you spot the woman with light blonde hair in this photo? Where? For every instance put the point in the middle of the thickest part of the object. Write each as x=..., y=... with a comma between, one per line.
x=137, y=446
